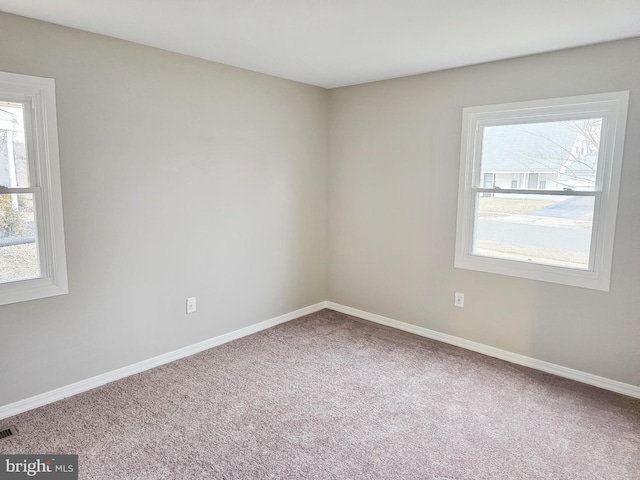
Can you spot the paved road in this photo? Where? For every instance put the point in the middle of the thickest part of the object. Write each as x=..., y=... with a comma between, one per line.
x=572, y=207
x=533, y=235
x=7, y=242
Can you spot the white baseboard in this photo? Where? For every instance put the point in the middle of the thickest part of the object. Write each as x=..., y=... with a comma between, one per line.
x=588, y=378
x=93, y=382
x=99, y=380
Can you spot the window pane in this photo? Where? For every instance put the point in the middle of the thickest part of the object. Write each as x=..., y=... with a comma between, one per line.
x=14, y=168
x=543, y=229
x=548, y=155
x=18, y=246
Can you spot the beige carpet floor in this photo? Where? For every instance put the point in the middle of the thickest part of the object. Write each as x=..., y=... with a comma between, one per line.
x=327, y=396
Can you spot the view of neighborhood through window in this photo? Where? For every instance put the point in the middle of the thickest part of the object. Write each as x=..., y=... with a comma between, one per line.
x=543, y=177
x=538, y=188
x=548, y=219
x=18, y=246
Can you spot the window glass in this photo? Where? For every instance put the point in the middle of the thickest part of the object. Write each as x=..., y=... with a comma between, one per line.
x=14, y=167
x=566, y=151
x=18, y=239
x=548, y=230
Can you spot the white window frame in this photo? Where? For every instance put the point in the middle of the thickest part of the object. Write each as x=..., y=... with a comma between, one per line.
x=612, y=107
x=41, y=136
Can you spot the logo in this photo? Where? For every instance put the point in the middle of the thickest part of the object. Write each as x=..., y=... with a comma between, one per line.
x=50, y=467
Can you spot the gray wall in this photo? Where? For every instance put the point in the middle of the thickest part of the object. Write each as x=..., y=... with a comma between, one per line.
x=394, y=161
x=180, y=178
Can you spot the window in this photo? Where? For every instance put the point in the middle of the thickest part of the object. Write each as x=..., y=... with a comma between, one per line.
x=559, y=226
x=32, y=254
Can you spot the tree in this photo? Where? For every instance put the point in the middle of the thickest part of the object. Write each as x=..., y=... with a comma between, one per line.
x=568, y=149
x=11, y=223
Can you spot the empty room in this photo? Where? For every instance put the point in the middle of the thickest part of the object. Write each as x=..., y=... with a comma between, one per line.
x=301, y=239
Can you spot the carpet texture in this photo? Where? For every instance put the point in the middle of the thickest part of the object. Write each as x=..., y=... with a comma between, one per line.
x=327, y=396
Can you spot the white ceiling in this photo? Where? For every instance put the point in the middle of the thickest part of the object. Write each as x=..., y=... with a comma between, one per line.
x=333, y=43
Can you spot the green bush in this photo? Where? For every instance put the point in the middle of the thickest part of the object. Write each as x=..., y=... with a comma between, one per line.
x=10, y=221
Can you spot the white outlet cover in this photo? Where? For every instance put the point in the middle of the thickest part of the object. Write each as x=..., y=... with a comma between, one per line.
x=459, y=299
x=191, y=304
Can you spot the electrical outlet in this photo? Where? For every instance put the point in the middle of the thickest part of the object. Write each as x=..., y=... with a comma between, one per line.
x=459, y=299
x=191, y=304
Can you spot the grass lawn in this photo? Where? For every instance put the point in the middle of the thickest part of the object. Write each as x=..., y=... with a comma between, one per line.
x=512, y=206
x=18, y=262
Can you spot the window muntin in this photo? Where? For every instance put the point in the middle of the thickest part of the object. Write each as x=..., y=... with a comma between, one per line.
x=32, y=254
x=550, y=211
